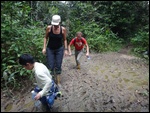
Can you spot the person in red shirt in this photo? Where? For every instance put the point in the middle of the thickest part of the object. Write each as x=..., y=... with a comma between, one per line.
x=79, y=42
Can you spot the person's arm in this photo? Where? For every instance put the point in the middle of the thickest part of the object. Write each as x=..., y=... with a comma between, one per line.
x=69, y=49
x=46, y=88
x=87, y=49
x=69, y=46
x=43, y=79
x=65, y=40
x=45, y=40
x=44, y=91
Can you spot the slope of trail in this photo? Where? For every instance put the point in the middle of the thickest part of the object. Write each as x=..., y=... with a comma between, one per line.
x=108, y=82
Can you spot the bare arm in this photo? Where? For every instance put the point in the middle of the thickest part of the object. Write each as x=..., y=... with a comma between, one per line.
x=45, y=39
x=69, y=49
x=87, y=49
x=65, y=40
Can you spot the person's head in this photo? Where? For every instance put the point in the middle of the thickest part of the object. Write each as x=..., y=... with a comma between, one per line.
x=79, y=34
x=27, y=61
x=56, y=19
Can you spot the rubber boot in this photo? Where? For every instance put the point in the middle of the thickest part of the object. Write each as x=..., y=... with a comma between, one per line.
x=78, y=66
x=58, y=81
x=60, y=88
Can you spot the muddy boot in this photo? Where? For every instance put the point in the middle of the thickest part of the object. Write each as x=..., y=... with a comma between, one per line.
x=58, y=81
x=54, y=78
x=78, y=66
x=60, y=88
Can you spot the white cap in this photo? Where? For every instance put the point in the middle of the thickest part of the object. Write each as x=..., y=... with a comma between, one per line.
x=55, y=20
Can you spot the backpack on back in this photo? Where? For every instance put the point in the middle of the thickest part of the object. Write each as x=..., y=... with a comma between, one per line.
x=80, y=39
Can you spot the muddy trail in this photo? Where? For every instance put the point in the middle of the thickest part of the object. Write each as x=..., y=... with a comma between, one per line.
x=108, y=82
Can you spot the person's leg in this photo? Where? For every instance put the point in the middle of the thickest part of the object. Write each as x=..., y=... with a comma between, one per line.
x=78, y=55
x=59, y=57
x=54, y=88
x=44, y=104
x=50, y=60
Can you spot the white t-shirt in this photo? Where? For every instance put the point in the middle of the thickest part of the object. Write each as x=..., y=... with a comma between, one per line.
x=43, y=77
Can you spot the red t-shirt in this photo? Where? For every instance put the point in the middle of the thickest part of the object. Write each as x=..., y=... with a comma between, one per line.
x=79, y=43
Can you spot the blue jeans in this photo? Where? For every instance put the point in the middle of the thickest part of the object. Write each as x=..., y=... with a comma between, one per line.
x=54, y=60
x=43, y=99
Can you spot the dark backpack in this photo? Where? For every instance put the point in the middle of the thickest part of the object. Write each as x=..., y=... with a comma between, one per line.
x=80, y=39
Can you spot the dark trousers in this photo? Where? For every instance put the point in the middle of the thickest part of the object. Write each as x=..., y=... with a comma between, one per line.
x=54, y=60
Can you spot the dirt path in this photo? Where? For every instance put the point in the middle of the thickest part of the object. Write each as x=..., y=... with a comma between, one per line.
x=108, y=82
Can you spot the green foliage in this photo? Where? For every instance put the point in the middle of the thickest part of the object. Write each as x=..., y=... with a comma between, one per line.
x=17, y=39
x=114, y=22
x=123, y=17
x=98, y=44
x=140, y=42
x=100, y=38
x=106, y=41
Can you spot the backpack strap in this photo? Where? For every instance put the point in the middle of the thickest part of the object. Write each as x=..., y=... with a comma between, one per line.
x=74, y=40
x=81, y=40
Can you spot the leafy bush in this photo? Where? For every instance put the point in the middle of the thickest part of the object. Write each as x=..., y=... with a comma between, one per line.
x=29, y=40
x=19, y=35
x=140, y=42
x=107, y=41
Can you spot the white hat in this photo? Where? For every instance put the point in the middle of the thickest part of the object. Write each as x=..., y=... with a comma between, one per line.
x=55, y=20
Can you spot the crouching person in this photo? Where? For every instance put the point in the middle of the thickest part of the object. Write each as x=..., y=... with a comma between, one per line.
x=46, y=89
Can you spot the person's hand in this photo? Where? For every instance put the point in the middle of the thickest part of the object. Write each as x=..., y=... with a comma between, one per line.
x=38, y=96
x=66, y=52
x=70, y=54
x=87, y=54
x=44, y=51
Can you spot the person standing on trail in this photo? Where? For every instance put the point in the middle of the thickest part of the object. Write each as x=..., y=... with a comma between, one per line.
x=45, y=84
x=78, y=42
x=55, y=35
